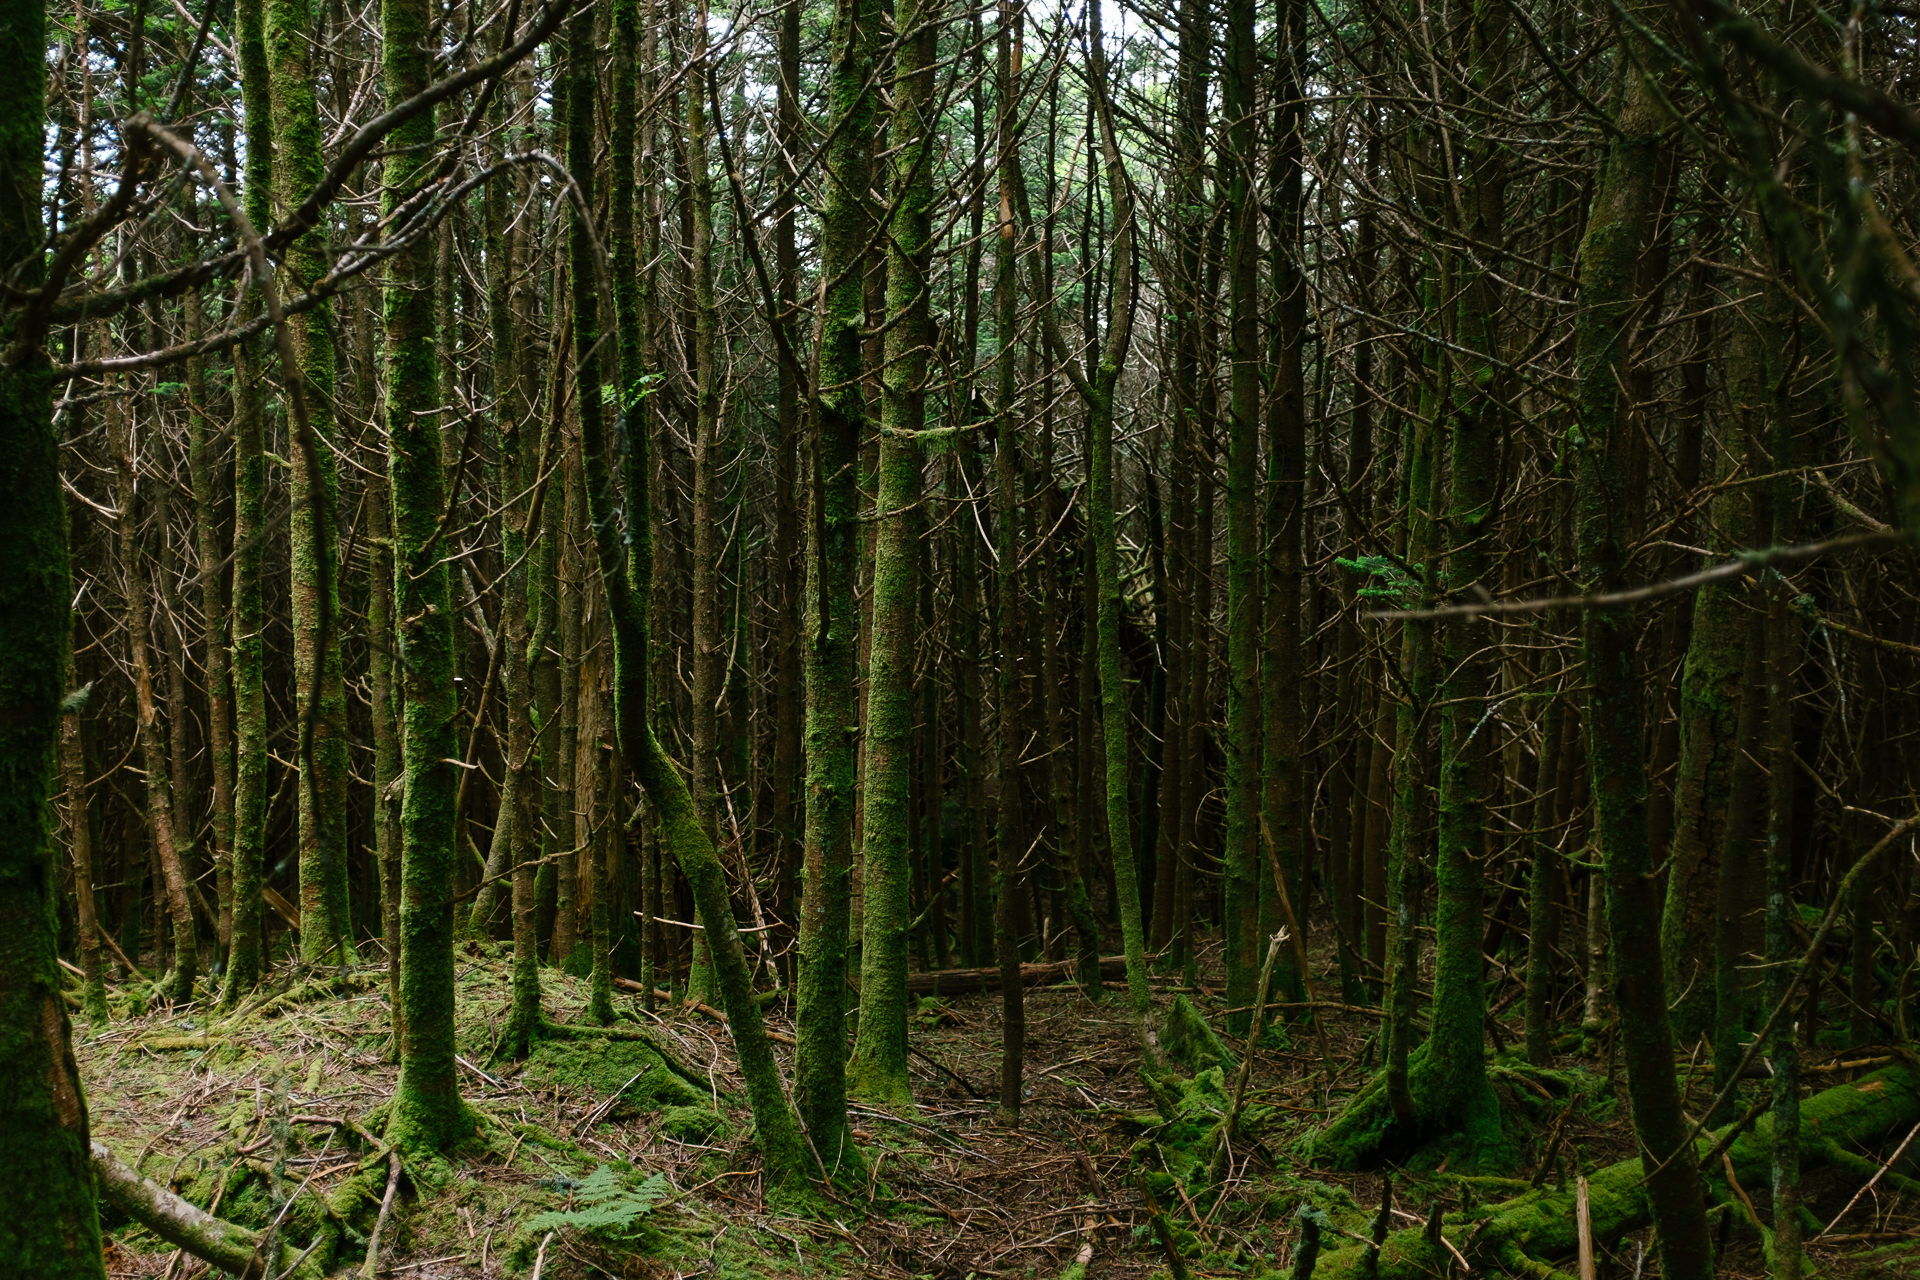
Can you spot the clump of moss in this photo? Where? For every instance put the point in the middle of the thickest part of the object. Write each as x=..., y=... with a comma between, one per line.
x=692, y=1123
x=1191, y=1043
x=1181, y=1147
x=632, y=1068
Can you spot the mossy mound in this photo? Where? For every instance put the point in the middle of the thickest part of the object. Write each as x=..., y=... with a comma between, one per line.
x=1183, y=1145
x=1191, y=1042
x=634, y=1069
x=692, y=1123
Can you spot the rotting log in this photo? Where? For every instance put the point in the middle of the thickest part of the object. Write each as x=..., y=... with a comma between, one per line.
x=1542, y=1225
x=234, y=1249
x=953, y=982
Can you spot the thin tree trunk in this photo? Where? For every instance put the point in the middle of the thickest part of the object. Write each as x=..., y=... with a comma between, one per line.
x=319, y=686
x=1008, y=832
x=878, y=1070
x=627, y=579
x=789, y=570
x=1243, y=739
x=709, y=642
x=73, y=770
x=427, y=1110
x=138, y=595
x=210, y=504
x=839, y=413
x=51, y=1227
x=1617, y=228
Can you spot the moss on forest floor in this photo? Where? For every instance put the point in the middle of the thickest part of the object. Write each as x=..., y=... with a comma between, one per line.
x=656, y=1147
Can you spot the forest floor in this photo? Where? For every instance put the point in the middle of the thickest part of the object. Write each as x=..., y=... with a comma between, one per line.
x=225, y=1112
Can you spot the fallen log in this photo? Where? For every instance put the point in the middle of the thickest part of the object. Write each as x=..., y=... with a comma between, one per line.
x=225, y=1245
x=954, y=982
x=1524, y=1235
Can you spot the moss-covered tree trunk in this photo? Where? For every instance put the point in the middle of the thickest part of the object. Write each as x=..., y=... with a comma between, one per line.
x=427, y=1111
x=1782, y=650
x=1541, y=869
x=789, y=572
x=319, y=688
x=523, y=482
x=1387, y=1104
x=245, y=952
x=839, y=413
x=1753, y=370
x=708, y=633
x=1451, y=1084
x=46, y=1177
x=1617, y=228
x=384, y=715
x=625, y=562
x=878, y=1070
x=1096, y=388
x=1712, y=688
x=565, y=601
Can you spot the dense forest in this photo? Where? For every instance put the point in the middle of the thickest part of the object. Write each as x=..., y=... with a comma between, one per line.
x=608, y=607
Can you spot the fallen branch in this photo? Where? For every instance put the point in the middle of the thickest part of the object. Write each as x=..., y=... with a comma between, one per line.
x=179, y=1222
x=371, y=1268
x=953, y=982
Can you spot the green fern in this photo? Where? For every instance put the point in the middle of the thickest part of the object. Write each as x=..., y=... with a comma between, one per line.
x=604, y=1207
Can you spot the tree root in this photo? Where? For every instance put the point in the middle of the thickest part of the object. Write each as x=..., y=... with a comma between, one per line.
x=1367, y=1130
x=1541, y=1225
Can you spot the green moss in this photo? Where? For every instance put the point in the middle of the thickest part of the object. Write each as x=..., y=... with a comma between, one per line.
x=832, y=616
x=630, y=1068
x=692, y=1123
x=1190, y=1041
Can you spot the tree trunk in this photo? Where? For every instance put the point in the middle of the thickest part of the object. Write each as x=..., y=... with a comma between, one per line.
x=839, y=412
x=1617, y=228
x=427, y=1110
x=73, y=771
x=319, y=687
x=626, y=576
x=211, y=509
x=878, y=1070
x=1009, y=835
x=53, y=1228
x=138, y=596
x=246, y=953
x=1243, y=737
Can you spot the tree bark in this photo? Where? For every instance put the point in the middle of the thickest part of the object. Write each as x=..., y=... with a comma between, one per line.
x=1617, y=229
x=319, y=686
x=138, y=596
x=878, y=1070
x=52, y=1228
x=427, y=1110
x=839, y=413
